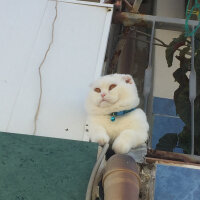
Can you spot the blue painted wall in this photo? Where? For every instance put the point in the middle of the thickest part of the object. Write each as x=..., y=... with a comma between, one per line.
x=177, y=183
x=165, y=120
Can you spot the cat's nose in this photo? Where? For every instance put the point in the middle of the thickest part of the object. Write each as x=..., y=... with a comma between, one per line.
x=103, y=95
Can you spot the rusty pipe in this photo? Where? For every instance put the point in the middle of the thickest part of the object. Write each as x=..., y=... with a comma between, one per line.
x=120, y=179
x=173, y=156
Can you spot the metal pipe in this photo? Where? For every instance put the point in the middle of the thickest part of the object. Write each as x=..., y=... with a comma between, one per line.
x=121, y=180
x=130, y=19
x=192, y=93
x=185, y=158
x=148, y=72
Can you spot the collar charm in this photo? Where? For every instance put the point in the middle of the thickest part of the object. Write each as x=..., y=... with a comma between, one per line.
x=112, y=118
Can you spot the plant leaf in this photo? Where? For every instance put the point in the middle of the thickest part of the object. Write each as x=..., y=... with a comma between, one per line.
x=184, y=140
x=184, y=51
x=173, y=46
x=167, y=142
x=182, y=102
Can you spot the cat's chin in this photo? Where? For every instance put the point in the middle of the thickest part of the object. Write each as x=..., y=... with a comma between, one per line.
x=104, y=104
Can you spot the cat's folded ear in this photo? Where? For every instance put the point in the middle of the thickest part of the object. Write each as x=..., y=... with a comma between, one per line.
x=127, y=78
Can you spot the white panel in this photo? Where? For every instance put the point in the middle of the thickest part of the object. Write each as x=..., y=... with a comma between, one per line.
x=19, y=21
x=75, y=58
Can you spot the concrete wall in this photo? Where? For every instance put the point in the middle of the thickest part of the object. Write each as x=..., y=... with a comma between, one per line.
x=164, y=85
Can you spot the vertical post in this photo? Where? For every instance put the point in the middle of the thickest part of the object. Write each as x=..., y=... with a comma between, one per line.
x=192, y=92
x=148, y=82
x=148, y=72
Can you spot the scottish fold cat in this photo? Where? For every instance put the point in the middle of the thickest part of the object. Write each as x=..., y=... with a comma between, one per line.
x=113, y=115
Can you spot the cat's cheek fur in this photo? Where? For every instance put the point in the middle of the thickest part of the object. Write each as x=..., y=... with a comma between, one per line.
x=98, y=134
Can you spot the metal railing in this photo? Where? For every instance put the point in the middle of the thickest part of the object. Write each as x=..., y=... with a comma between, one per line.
x=175, y=24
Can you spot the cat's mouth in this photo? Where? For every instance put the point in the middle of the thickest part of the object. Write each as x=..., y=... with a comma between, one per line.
x=106, y=102
x=103, y=100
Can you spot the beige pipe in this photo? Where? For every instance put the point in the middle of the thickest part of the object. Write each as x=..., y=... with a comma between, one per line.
x=121, y=180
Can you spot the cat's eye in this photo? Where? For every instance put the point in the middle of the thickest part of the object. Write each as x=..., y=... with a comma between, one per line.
x=98, y=90
x=112, y=86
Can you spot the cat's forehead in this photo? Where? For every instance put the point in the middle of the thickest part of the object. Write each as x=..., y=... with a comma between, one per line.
x=107, y=80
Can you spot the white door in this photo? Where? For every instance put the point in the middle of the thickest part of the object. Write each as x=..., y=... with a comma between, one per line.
x=66, y=42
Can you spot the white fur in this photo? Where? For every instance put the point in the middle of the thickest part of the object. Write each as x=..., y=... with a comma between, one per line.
x=127, y=131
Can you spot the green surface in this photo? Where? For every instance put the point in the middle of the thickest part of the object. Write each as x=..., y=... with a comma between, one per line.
x=41, y=168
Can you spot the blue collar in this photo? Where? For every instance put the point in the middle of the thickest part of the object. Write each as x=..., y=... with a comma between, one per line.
x=120, y=113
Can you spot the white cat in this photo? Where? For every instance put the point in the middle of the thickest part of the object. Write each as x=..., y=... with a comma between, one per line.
x=108, y=96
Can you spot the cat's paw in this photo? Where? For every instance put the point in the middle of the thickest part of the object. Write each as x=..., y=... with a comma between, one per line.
x=121, y=146
x=101, y=139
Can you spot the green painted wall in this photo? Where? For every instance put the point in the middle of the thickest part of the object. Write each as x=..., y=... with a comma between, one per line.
x=41, y=168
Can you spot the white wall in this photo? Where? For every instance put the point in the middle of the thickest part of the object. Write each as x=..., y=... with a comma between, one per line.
x=164, y=85
x=74, y=59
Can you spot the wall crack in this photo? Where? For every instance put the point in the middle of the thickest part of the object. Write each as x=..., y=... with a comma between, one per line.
x=40, y=67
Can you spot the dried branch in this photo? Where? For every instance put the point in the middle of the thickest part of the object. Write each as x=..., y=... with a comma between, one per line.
x=128, y=5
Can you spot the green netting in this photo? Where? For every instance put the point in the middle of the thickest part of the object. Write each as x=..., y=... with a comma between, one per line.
x=41, y=168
